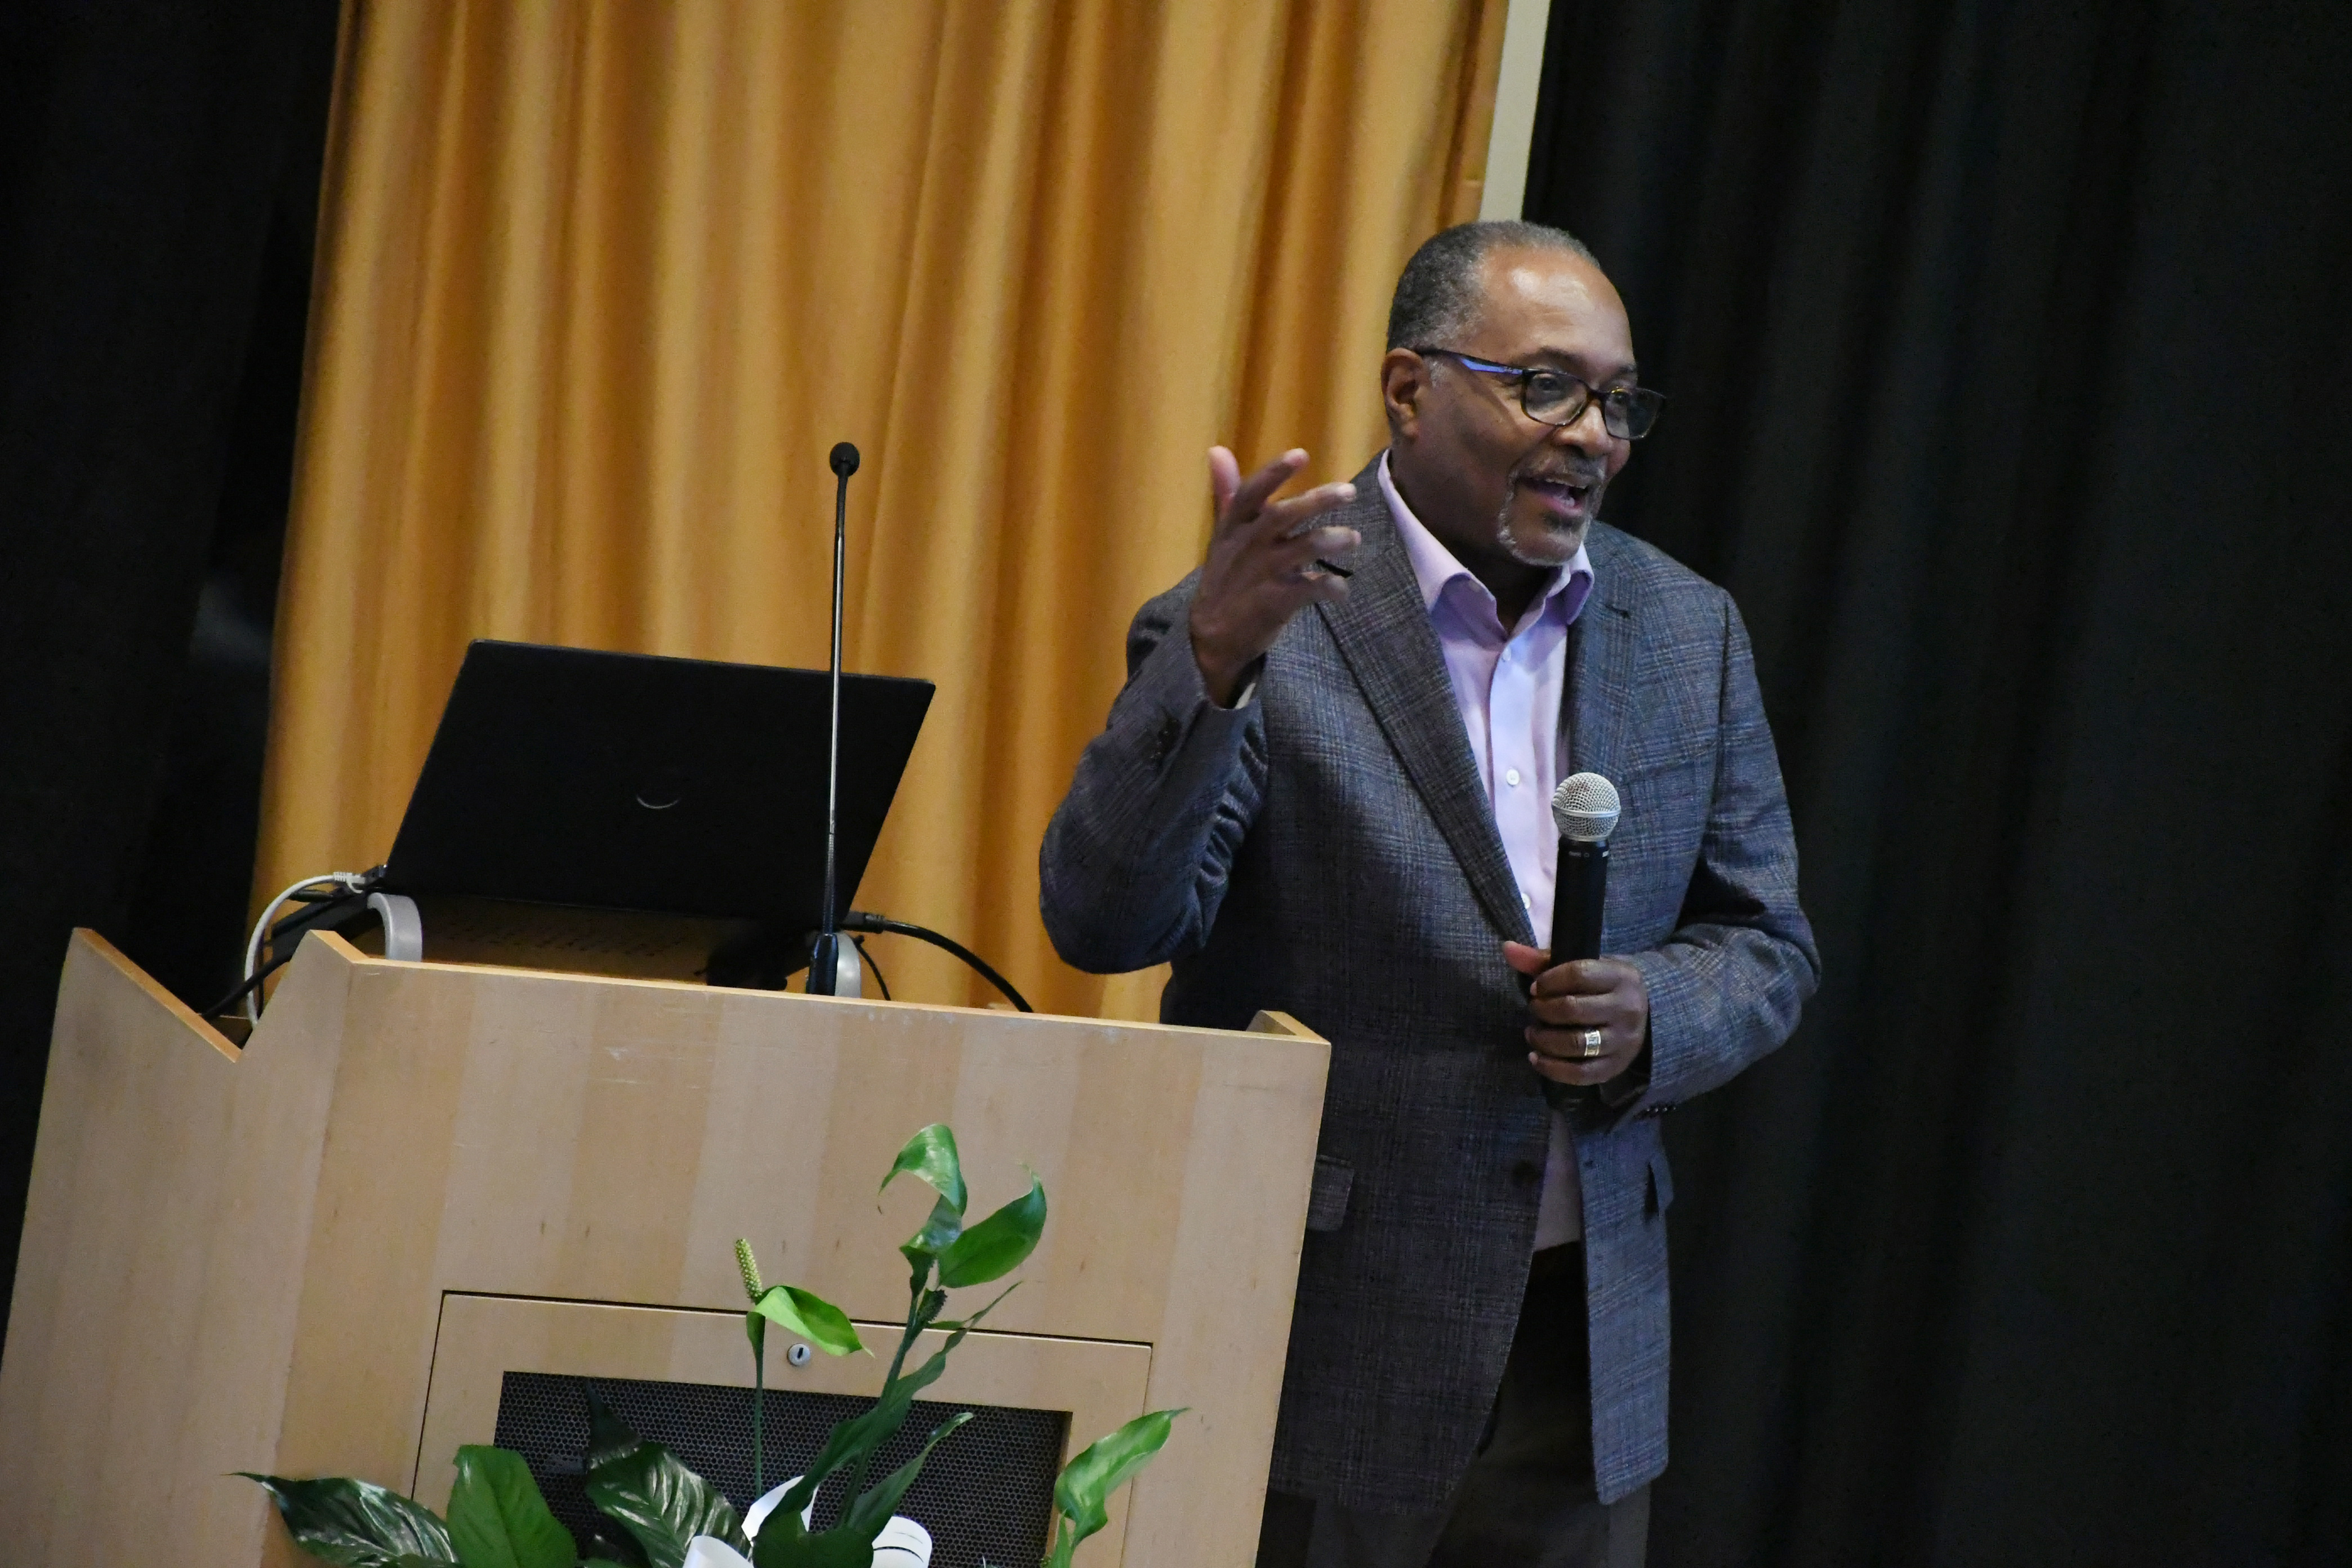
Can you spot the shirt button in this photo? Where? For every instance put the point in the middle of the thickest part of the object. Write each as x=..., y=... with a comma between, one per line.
x=1511, y=777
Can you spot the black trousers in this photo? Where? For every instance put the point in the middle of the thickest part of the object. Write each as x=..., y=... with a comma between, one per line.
x=1528, y=1500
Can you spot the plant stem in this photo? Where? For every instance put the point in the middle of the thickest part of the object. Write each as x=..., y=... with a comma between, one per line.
x=759, y=1410
x=898, y=1361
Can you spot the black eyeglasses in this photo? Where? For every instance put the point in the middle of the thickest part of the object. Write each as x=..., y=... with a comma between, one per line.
x=1555, y=397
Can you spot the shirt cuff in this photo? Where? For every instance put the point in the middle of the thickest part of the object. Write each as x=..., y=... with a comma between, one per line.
x=1248, y=693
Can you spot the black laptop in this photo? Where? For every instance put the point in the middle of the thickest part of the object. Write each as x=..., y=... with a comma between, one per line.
x=621, y=781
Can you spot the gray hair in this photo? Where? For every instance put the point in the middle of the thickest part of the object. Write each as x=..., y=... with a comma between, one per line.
x=1439, y=292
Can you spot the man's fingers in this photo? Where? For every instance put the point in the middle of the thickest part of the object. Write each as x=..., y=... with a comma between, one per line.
x=1560, y=1053
x=1570, y=1000
x=1300, y=554
x=1252, y=493
x=1224, y=479
x=1580, y=1011
x=1578, y=976
x=1581, y=977
x=1570, y=1069
x=1293, y=515
x=1286, y=594
x=1249, y=502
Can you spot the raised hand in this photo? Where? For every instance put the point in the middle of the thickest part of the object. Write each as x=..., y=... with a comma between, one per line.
x=1261, y=568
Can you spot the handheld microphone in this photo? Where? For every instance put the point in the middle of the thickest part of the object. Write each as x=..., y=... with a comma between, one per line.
x=827, y=952
x=1585, y=809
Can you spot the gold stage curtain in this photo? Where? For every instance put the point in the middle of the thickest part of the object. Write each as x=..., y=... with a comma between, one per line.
x=600, y=285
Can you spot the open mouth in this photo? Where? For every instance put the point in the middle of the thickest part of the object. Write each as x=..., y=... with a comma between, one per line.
x=1563, y=496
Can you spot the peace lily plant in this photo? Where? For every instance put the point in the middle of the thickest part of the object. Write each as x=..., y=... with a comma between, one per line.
x=669, y=1517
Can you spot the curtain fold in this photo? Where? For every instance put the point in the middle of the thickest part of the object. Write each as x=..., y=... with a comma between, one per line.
x=600, y=286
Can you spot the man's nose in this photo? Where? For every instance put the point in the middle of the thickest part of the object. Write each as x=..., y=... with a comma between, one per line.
x=1587, y=432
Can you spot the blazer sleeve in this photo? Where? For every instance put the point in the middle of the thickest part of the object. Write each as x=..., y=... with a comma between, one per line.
x=1726, y=986
x=1136, y=859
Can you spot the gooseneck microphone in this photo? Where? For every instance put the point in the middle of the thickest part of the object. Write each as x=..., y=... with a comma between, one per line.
x=825, y=974
x=1585, y=810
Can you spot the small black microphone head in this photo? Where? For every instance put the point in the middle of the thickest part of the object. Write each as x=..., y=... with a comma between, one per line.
x=845, y=458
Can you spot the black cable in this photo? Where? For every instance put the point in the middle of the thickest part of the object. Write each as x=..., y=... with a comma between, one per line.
x=876, y=968
x=260, y=974
x=318, y=908
x=859, y=920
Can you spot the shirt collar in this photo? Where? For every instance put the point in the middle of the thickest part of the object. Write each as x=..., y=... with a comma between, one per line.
x=1435, y=569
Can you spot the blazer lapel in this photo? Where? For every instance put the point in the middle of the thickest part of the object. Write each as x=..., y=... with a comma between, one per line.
x=1599, y=700
x=1383, y=632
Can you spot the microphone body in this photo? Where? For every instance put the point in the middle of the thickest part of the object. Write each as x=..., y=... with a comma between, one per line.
x=1579, y=895
x=832, y=962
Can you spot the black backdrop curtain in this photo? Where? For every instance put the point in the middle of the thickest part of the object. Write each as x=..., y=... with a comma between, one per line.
x=2007, y=347
x=159, y=170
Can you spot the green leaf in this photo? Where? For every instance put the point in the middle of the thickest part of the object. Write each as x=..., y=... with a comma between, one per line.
x=944, y=1226
x=609, y=1545
x=663, y=1504
x=931, y=1156
x=812, y=1317
x=865, y=1517
x=1087, y=1480
x=497, y=1517
x=857, y=1438
x=358, y=1523
x=609, y=1437
x=976, y=1317
x=785, y=1543
x=997, y=1245
x=862, y=1436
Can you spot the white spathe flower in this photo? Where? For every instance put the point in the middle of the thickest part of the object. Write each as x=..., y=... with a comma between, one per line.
x=709, y=1552
x=903, y=1544
x=757, y=1514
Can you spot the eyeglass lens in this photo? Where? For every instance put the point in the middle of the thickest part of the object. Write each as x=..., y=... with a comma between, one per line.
x=1626, y=412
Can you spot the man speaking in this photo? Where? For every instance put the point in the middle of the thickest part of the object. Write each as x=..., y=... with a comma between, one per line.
x=1327, y=791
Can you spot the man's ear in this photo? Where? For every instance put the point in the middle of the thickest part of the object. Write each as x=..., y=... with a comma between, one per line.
x=1404, y=381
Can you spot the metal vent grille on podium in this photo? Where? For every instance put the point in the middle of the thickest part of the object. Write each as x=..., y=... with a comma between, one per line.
x=985, y=1494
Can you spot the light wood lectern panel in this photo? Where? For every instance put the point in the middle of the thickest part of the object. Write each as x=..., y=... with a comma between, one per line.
x=244, y=1260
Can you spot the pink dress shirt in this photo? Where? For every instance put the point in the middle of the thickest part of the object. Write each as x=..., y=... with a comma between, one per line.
x=1508, y=683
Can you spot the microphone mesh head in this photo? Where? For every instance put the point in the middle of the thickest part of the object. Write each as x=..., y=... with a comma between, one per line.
x=1585, y=807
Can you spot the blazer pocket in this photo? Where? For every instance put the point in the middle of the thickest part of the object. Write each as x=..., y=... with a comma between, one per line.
x=1661, y=1182
x=1326, y=1199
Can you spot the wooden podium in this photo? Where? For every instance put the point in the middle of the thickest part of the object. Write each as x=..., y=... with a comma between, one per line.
x=321, y=1255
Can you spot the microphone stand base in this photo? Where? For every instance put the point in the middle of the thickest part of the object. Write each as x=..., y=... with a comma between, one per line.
x=834, y=969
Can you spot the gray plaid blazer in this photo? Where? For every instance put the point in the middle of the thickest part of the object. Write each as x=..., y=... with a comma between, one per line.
x=1326, y=850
